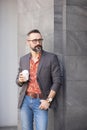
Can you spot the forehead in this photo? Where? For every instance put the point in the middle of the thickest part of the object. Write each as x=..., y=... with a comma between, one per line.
x=35, y=36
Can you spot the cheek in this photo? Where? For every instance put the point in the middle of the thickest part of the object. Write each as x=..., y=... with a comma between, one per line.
x=32, y=46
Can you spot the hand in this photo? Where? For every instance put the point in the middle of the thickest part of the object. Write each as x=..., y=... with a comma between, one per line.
x=44, y=104
x=22, y=78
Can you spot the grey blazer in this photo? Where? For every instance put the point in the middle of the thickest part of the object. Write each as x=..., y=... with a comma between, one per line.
x=48, y=75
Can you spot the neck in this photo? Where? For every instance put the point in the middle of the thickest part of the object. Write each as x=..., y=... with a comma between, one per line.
x=34, y=54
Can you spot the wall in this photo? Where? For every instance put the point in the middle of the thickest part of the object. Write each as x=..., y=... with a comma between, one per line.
x=8, y=62
x=76, y=64
x=35, y=14
x=59, y=36
x=70, y=43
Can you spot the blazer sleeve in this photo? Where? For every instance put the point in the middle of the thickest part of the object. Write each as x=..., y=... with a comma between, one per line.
x=19, y=70
x=56, y=73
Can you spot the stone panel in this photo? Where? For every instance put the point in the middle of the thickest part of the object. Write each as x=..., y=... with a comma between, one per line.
x=59, y=113
x=76, y=94
x=77, y=2
x=76, y=67
x=58, y=26
x=58, y=18
x=36, y=15
x=76, y=118
x=76, y=18
x=58, y=42
x=58, y=2
x=76, y=43
x=76, y=112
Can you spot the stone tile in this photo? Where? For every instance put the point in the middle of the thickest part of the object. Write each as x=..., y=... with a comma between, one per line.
x=76, y=105
x=58, y=17
x=35, y=15
x=48, y=42
x=34, y=5
x=76, y=67
x=38, y=15
x=76, y=43
x=76, y=18
x=21, y=45
x=50, y=120
x=58, y=35
x=76, y=94
x=59, y=113
x=77, y=2
x=76, y=119
x=58, y=41
x=58, y=3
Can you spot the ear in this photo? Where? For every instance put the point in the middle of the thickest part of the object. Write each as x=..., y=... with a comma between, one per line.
x=27, y=42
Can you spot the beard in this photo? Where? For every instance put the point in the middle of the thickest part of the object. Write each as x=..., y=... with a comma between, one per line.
x=37, y=48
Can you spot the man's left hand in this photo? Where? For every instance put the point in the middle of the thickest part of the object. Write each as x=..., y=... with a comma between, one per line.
x=44, y=104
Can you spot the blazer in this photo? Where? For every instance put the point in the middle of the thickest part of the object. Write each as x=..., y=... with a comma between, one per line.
x=48, y=75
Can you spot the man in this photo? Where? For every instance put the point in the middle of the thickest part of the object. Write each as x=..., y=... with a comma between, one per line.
x=38, y=92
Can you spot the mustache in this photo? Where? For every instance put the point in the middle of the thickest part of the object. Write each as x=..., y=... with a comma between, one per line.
x=37, y=48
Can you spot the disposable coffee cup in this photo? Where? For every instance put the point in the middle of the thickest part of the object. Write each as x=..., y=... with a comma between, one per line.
x=25, y=74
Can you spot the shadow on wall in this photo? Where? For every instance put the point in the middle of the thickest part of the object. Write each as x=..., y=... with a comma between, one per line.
x=59, y=113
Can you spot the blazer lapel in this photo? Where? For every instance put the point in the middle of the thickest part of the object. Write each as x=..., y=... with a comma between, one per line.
x=41, y=62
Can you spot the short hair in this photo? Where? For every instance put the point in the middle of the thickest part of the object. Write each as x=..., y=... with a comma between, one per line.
x=33, y=31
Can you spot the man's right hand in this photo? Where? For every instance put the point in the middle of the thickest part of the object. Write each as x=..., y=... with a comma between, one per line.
x=22, y=78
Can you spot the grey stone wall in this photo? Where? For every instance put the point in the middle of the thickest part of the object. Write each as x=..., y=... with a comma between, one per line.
x=70, y=42
x=59, y=22
x=35, y=14
x=76, y=64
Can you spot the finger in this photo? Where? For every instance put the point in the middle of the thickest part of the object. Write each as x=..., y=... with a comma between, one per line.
x=21, y=79
x=41, y=107
x=21, y=75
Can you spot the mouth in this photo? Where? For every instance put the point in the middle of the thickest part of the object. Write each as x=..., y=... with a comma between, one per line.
x=38, y=48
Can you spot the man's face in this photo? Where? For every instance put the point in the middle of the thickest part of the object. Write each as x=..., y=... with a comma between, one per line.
x=35, y=42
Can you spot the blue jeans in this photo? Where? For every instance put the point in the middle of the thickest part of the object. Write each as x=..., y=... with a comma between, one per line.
x=31, y=114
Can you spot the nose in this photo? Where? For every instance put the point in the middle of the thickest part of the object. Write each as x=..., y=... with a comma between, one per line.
x=38, y=42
